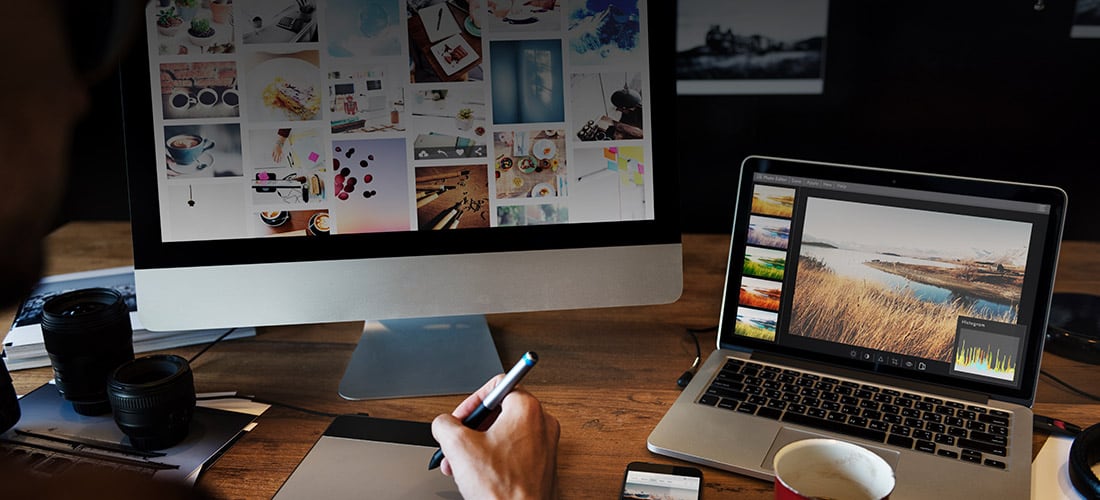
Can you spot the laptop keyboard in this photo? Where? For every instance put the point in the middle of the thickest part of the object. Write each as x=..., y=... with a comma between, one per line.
x=950, y=429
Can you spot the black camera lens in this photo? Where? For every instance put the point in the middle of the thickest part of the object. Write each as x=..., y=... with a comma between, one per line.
x=9, y=402
x=153, y=399
x=87, y=335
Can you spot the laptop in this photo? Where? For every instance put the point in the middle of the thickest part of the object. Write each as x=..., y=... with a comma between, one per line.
x=901, y=311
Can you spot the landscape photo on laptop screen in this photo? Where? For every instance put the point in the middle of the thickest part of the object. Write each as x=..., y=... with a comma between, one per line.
x=318, y=117
x=939, y=283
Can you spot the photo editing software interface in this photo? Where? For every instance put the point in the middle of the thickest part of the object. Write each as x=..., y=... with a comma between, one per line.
x=313, y=118
x=901, y=278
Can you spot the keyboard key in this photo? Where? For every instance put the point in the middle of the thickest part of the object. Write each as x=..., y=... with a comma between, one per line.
x=771, y=413
x=902, y=441
x=992, y=418
x=992, y=449
x=994, y=463
x=947, y=439
x=878, y=425
x=838, y=427
x=857, y=421
x=971, y=456
x=733, y=364
x=925, y=446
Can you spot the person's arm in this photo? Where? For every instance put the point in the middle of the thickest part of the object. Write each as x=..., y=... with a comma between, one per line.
x=513, y=455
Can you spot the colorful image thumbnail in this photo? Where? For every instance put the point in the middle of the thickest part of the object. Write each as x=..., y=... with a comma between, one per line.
x=773, y=201
x=765, y=263
x=756, y=324
x=608, y=106
x=199, y=90
x=371, y=186
x=278, y=21
x=530, y=164
x=190, y=27
x=452, y=197
x=363, y=28
x=604, y=32
x=195, y=151
x=537, y=94
x=444, y=42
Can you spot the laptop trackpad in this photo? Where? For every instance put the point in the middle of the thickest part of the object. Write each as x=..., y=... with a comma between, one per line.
x=789, y=435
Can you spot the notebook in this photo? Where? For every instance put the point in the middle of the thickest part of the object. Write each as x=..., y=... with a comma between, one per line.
x=901, y=311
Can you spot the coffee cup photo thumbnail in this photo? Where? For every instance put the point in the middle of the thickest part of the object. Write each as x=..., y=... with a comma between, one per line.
x=194, y=151
x=199, y=90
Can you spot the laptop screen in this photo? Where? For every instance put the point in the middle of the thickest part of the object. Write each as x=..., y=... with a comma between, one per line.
x=942, y=279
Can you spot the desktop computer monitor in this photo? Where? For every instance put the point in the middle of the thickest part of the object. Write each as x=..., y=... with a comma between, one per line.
x=415, y=164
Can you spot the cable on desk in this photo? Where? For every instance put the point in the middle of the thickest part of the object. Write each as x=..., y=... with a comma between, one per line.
x=1068, y=386
x=684, y=379
x=211, y=344
x=255, y=399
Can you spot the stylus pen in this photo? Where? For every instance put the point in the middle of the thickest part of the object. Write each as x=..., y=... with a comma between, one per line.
x=492, y=401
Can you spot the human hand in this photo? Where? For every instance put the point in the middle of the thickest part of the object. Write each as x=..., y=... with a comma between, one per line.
x=512, y=455
x=277, y=151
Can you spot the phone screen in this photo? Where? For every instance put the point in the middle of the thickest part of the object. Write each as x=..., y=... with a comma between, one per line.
x=649, y=482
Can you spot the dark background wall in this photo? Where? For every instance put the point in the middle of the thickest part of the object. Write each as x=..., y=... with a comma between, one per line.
x=986, y=88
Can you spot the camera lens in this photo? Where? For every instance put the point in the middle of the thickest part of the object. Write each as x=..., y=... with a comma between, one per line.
x=9, y=402
x=153, y=399
x=87, y=335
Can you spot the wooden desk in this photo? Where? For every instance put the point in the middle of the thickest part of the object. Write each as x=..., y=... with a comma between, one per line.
x=608, y=374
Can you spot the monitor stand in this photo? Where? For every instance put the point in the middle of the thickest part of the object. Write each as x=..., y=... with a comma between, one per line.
x=421, y=357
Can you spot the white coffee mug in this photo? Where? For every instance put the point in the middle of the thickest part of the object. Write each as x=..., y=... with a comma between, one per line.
x=181, y=100
x=231, y=98
x=207, y=97
x=830, y=468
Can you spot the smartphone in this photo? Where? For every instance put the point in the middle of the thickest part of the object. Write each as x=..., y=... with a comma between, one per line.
x=645, y=480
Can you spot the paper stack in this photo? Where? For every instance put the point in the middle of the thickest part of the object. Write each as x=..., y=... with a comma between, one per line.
x=23, y=346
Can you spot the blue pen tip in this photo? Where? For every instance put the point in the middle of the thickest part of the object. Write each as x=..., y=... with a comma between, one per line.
x=531, y=358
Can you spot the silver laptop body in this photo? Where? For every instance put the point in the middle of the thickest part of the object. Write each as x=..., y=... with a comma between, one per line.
x=927, y=294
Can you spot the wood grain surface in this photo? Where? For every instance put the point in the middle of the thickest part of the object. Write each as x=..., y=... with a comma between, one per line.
x=607, y=374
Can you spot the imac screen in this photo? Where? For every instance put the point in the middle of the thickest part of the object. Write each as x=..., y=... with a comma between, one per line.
x=349, y=117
